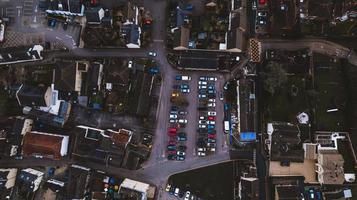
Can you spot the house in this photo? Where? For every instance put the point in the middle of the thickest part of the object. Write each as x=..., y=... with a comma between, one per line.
x=7, y=178
x=330, y=168
x=288, y=192
x=66, y=7
x=141, y=190
x=181, y=38
x=285, y=142
x=77, y=181
x=94, y=15
x=69, y=75
x=7, y=182
x=249, y=188
x=131, y=33
x=13, y=56
x=48, y=145
x=34, y=96
x=106, y=146
x=44, y=104
x=288, y=157
x=96, y=76
x=30, y=179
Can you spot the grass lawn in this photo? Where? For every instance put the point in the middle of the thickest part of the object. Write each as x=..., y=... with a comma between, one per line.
x=331, y=95
x=283, y=106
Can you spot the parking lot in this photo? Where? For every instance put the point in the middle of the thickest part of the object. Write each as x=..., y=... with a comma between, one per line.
x=196, y=117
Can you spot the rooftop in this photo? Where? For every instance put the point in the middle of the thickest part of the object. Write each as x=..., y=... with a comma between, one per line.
x=285, y=142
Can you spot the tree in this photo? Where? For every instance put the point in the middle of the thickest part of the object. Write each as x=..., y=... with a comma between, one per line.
x=274, y=76
x=180, y=101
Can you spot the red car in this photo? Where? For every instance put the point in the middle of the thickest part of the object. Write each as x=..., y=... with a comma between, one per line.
x=172, y=152
x=173, y=130
x=211, y=118
x=172, y=134
x=212, y=136
x=171, y=142
x=262, y=2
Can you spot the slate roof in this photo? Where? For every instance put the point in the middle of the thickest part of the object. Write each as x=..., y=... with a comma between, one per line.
x=32, y=96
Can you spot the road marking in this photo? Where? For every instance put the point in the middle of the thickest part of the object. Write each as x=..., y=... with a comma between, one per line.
x=157, y=40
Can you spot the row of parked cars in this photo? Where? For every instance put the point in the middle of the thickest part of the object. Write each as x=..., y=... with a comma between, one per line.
x=207, y=115
x=176, y=148
x=180, y=193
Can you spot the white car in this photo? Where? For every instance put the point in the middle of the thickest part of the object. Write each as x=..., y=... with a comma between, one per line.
x=262, y=14
x=203, y=78
x=173, y=121
x=202, y=126
x=202, y=87
x=187, y=195
x=202, y=96
x=212, y=100
x=212, y=113
x=168, y=187
x=211, y=104
x=211, y=122
x=177, y=191
x=202, y=82
x=202, y=122
x=182, y=121
x=151, y=53
x=173, y=116
x=181, y=153
x=201, y=154
x=185, y=90
x=212, y=78
x=202, y=118
x=213, y=148
x=130, y=64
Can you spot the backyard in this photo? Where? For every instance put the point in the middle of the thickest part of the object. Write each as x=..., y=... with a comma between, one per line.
x=330, y=94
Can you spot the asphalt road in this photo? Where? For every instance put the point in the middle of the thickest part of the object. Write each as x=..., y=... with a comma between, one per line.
x=316, y=46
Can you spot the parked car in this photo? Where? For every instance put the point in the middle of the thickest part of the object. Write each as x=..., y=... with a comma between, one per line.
x=181, y=138
x=168, y=187
x=212, y=136
x=187, y=195
x=202, y=126
x=185, y=90
x=202, y=87
x=201, y=96
x=211, y=122
x=173, y=116
x=171, y=157
x=212, y=113
x=202, y=82
x=182, y=121
x=202, y=121
x=171, y=147
x=177, y=190
x=171, y=129
x=212, y=78
x=211, y=87
x=211, y=131
x=211, y=126
x=181, y=153
x=182, y=112
x=172, y=152
x=212, y=100
x=211, y=91
x=173, y=121
x=184, y=86
x=151, y=53
x=262, y=14
x=182, y=78
x=211, y=118
x=211, y=140
x=153, y=70
x=211, y=104
x=202, y=118
x=203, y=78
x=130, y=64
x=221, y=96
x=172, y=190
x=202, y=91
x=180, y=158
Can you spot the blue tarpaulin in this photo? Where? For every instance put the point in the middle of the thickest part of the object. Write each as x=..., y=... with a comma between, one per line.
x=248, y=136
